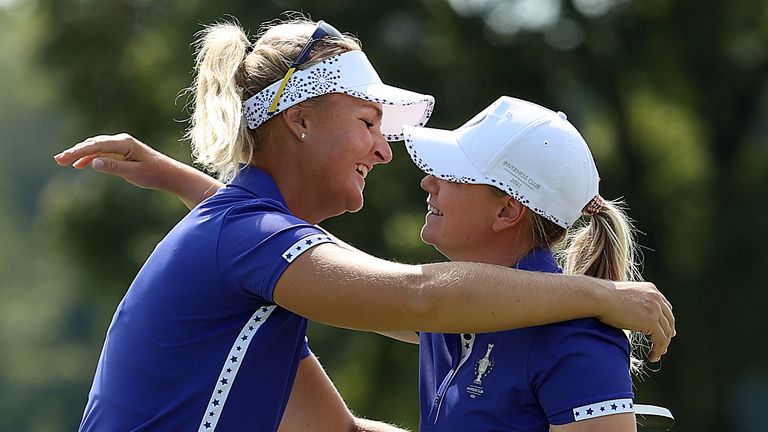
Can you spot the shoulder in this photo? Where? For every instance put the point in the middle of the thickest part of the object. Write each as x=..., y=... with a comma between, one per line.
x=243, y=214
x=578, y=363
x=256, y=238
x=580, y=333
x=583, y=347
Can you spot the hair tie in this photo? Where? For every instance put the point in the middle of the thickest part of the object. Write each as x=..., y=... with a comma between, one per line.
x=594, y=206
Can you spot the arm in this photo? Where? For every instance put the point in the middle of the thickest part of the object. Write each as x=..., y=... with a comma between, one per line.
x=315, y=405
x=537, y=298
x=124, y=156
x=351, y=289
x=612, y=423
x=403, y=336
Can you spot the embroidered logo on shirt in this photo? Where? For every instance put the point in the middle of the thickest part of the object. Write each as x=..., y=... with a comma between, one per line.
x=483, y=367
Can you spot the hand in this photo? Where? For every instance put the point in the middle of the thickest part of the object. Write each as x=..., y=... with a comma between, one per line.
x=125, y=156
x=639, y=306
x=121, y=155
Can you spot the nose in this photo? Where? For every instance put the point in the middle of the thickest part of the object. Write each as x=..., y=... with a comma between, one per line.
x=381, y=150
x=429, y=184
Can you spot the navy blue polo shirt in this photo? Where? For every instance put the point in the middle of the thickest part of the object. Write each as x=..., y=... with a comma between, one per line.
x=525, y=379
x=197, y=342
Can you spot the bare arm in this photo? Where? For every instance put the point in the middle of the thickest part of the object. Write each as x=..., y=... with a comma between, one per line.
x=403, y=336
x=429, y=292
x=125, y=156
x=351, y=289
x=315, y=405
x=613, y=423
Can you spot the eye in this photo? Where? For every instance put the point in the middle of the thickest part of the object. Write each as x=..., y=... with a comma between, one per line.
x=367, y=123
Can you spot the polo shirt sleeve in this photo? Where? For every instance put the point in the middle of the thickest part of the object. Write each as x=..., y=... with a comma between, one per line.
x=257, y=243
x=580, y=370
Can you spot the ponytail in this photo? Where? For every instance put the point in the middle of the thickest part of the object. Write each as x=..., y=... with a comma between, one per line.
x=218, y=133
x=604, y=248
x=229, y=69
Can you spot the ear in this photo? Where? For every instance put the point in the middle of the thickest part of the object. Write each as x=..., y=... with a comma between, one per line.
x=509, y=215
x=295, y=119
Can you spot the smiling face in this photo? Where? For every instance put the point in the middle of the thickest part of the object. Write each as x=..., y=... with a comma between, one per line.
x=343, y=142
x=461, y=218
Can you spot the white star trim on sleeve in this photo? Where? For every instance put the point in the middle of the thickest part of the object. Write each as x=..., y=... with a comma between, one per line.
x=305, y=244
x=599, y=409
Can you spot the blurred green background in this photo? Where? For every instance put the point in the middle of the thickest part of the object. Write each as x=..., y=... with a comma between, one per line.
x=671, y=95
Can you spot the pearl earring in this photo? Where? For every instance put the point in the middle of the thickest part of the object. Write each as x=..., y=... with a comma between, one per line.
x=303, y=136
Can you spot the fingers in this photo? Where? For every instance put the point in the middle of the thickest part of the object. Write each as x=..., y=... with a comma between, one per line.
x=660, y=342
x=662, y=335
x=80, y=155
x=85, y=161
x=123, y=168
x=669, y=316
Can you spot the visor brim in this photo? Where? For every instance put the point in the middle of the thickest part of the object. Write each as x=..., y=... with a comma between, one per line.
x=437, y=152
x=400, y=107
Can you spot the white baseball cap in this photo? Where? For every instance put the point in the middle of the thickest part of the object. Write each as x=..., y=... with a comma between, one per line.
x=532, y=153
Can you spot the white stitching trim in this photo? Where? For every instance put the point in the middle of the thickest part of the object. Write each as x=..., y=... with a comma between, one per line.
x=230, y=368
x=305, y=244
x=600, y=409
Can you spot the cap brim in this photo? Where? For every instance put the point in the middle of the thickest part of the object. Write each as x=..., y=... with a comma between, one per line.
x=437, y=152
x=400, y=107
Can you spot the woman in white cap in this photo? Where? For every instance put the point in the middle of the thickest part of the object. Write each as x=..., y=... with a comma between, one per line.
x=506, y=188
x=211, y=333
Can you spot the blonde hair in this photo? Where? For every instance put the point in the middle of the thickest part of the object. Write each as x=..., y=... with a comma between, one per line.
x=226, y=74
x=604, y=247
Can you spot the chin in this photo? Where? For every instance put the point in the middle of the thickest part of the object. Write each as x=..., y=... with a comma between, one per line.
x=426, y=238
x=356, y=205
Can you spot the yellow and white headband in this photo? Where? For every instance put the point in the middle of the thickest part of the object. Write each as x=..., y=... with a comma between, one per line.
x=349, y=73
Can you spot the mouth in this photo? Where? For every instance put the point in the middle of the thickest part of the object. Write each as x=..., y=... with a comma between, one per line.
x=433, y=210
x=362, y=170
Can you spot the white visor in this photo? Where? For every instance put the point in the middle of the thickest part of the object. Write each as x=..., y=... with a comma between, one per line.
x=352, y=74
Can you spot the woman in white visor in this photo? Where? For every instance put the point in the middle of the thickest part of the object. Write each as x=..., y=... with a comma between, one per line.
x=211, y=333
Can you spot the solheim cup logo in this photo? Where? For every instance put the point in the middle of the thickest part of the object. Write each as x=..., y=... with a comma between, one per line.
x=484, y=365
x=482, y=368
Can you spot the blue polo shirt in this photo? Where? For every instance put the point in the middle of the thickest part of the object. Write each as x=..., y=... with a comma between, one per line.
x=197, y=342
x=526, y=379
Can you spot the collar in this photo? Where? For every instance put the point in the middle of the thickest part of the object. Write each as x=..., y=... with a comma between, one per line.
x=540, y=259
x=258, y=182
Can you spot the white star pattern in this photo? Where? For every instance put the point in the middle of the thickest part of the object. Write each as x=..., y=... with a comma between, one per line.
x=604, y=408
x=304, y=245
x=230, y=368
x=467, y=342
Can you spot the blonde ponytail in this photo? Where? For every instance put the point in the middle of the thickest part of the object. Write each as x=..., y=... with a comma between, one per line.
x=604, y=248
x=226, y=75
x=218, y=133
